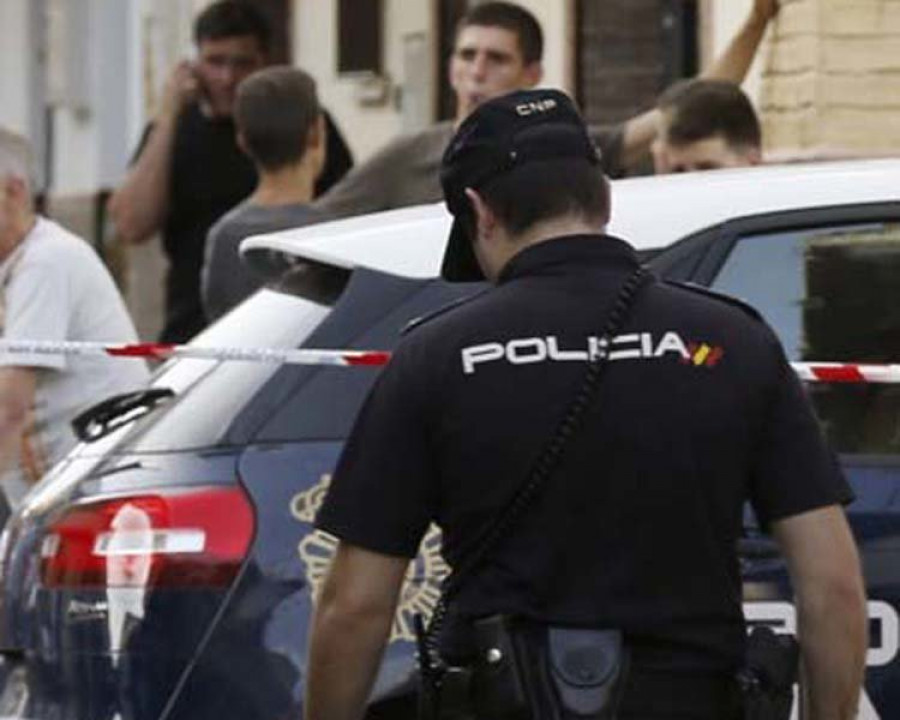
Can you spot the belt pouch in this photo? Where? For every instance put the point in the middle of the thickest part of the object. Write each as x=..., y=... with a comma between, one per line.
x=529, y=671
x=768, y=679
x=499, y=681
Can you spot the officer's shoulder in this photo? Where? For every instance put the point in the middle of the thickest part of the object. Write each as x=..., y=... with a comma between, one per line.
x=730, y=300
x=440, y=312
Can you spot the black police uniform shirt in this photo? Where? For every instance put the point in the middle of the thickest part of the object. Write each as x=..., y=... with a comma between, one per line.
x=209, y=176
x=637, y=529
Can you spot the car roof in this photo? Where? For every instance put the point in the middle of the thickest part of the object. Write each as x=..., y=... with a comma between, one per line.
x=649, y=212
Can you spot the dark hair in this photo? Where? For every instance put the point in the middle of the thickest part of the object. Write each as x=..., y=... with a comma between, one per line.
x=547, y=189
x=274, y=111
x=700, y=109
x=232, y=18
x=513, y=18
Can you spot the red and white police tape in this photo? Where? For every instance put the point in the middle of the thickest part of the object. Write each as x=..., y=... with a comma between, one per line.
x=817, y=372
x=164, y=351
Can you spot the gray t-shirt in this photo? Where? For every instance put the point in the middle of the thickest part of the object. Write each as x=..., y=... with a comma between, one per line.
x=56, y=289
x=407, y=172
x=225, y=280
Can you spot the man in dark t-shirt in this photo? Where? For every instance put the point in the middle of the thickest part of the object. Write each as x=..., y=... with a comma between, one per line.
x=636, y=527
x=189, y=170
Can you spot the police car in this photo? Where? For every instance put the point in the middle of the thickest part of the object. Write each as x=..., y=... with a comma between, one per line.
x=167, y=567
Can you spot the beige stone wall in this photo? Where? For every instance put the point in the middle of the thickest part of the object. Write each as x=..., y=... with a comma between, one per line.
x=831, y=81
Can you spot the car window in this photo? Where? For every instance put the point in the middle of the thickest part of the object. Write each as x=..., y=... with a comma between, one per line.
x=831, y=294
x=680, y=261
x=283, y=315
x=323, y=405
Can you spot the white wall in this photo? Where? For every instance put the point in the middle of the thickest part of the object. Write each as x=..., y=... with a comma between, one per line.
x=554, y=16
x=315, y=50
x=14, y=59
x=131, y=46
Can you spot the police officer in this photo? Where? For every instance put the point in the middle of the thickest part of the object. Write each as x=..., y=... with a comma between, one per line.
x=636, y=530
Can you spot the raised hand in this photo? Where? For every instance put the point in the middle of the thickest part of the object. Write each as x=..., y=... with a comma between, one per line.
x=765, y=10
x=182, y=86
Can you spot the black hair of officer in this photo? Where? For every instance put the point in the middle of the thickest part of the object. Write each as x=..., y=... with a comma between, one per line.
x=529, y=155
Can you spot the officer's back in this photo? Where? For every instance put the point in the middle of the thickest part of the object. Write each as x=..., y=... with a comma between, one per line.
x=636, y=528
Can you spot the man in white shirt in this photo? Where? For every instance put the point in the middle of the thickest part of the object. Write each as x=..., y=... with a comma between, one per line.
x=53, y=287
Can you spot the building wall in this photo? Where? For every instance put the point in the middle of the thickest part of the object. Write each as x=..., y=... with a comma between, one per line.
x=366, y=123
x=832, y=82
x=411, y=65
x=14, y=59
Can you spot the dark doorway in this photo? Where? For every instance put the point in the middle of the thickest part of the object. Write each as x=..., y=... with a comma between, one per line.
x=449, y=14
x=280, y=17
x=360, y=40
x=628, y=51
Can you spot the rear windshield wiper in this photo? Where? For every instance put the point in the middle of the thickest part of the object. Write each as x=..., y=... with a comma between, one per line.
x=103, y=418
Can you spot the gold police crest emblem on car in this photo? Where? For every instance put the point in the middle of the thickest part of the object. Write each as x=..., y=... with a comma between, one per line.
x=422, y=587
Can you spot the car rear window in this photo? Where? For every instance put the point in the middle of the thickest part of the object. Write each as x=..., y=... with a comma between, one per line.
x=831, y=294
x=281, y=316
x=322, y=405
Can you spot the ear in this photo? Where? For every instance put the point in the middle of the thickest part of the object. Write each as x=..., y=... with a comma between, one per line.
x=316, y=134
x=658, y=153
x=607, y=199
x=754, y=157
x=533, y=74
x=485, y=219
x=15, y=189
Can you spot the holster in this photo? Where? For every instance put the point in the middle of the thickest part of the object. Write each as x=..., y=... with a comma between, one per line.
x=530, y=671
x=767, y=681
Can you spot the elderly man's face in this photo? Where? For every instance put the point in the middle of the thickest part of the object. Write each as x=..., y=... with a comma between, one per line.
x=14, y=208
x=487, y=62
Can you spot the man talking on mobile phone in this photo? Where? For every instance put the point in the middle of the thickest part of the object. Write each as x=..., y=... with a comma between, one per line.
x=189, y=170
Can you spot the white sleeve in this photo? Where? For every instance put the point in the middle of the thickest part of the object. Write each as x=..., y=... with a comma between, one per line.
x=36, y=307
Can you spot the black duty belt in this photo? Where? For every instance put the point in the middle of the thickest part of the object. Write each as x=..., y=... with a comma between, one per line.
x=682, y=695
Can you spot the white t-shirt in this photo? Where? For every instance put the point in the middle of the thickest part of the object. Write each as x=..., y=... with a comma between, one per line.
x=53, y=287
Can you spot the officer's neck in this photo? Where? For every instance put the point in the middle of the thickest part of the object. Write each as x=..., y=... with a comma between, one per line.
x=511, y=244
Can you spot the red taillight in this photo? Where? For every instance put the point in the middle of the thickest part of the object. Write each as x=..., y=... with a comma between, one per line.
x=193, y=538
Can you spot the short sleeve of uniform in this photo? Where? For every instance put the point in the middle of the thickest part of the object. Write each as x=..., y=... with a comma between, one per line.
x=35, y=307
x=795, y=470
x=382, y=495
x=610, y=141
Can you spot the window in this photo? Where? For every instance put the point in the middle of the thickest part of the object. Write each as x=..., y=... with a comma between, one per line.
x=322, y=406
x=831, y=294
x=360, y=41
x=630, y=50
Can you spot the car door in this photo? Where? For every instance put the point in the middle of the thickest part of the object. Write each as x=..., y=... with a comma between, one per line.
x=828, y=281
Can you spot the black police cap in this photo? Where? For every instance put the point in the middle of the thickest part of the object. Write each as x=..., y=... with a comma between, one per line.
x=500, y=135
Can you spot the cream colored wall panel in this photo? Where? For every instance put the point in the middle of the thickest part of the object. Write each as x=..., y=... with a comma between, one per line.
x=366, y=129
x=789, y=91
x=555, y=18
x=866, y=131
x=877, y=91
x=797, y=18
x=861, y=17
x=874, y=53
x=833, y=88
x=793, y=54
